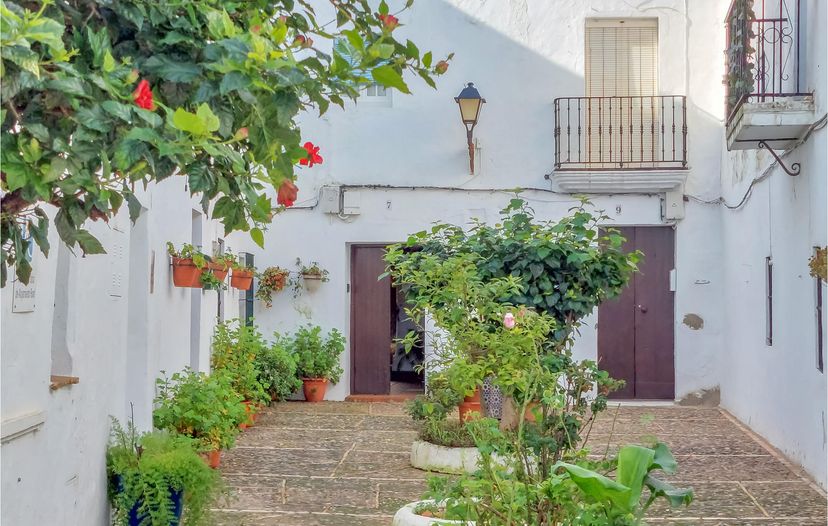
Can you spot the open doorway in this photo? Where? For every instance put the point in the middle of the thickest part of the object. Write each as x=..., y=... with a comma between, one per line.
x=379, y=365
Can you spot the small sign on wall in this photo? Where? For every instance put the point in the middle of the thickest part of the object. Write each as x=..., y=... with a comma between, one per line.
x=23, y=296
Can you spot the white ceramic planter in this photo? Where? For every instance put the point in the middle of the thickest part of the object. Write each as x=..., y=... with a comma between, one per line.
x=405, y=516
x=453, y=460
x=312, y=282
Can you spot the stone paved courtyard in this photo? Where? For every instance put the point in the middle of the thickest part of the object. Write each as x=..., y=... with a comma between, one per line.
x=340, y=463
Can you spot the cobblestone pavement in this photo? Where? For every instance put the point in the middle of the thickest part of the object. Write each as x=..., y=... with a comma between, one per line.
x=340, y=463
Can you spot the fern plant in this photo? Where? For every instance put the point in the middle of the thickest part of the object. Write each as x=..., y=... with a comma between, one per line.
x=277, y=369
x=149, y=474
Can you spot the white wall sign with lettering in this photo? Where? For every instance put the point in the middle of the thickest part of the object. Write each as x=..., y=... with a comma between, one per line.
x=23, y=299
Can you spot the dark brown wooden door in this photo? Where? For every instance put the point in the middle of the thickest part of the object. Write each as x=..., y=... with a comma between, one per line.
x=635, y=330
x=370, y=322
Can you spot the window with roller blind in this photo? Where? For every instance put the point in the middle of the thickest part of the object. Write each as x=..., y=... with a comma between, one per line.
x=621, y=74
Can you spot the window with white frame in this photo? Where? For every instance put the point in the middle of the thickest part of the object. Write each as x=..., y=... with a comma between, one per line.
x=375, y=94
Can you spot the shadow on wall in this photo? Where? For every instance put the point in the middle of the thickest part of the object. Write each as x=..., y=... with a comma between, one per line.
x=423, y=140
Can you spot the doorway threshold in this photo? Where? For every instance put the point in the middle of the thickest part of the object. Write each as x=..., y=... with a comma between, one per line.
x=403, y=397
x=642, y=403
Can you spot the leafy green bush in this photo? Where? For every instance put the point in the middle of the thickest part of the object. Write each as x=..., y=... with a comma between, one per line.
x=236, y=350
x=318, y=357
x=203, y=407
x=277, y=369
x=98, y=96
x=144, y=469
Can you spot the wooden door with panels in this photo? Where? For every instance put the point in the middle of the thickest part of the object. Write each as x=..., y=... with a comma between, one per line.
x=636, y=329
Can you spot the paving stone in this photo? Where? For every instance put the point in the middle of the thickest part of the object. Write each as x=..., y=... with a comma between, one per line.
x=385, y=441
x=394, y=495
x=310, y=462
x=683, y=444
x=277, y=437
x=788, y=499
x=317, y=408
x=298, y=420
x=711, y=500
x=385, y=466
x=387, y=423
x=726, y=468
x=325, y=494
x=387, y=409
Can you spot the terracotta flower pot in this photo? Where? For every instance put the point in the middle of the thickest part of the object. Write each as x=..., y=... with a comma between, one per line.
x=213, y=458
x=241, y=279
x=529, y=415
x=250, y=411
x=219, y=271
x=186, y=273
x=314, y=389
x=469, y=406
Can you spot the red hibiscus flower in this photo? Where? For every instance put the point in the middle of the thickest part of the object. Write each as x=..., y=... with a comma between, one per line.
x=389, y=21
x=313, y=155
x=287, y=193
x=143, y=96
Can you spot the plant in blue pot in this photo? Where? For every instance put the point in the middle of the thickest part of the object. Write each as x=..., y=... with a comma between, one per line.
x=158, y=479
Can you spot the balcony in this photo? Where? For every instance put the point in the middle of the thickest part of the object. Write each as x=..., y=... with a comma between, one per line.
x=765, y=103
x=621, y=145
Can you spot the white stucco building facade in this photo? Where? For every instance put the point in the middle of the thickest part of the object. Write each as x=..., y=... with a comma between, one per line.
x=393, y=165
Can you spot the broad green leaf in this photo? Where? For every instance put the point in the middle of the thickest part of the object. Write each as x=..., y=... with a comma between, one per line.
x=172, y=70
x=122, y=111
x=233, y=81
x=675, y=496
x=208, y=118
x=188, y=122
x=633, y=465
x=388, y=77
x=88, y=243
x=108, y=62
x=257, y=236
x=597, y=487
x=664, y=459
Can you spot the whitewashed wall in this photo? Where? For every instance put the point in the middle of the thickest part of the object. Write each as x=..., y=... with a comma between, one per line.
x=520, y=55
x=118, y=337
x=777, y=390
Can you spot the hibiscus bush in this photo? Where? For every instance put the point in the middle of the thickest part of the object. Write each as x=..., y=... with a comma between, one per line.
x=100, y=95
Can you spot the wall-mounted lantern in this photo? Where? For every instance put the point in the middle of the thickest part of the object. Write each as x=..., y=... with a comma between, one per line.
x=470, y=103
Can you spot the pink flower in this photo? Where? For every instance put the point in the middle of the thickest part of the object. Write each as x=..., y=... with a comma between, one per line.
x=509, y=320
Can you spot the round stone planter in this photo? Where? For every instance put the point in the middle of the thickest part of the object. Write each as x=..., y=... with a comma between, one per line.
x=452, y=460
x=405, y=516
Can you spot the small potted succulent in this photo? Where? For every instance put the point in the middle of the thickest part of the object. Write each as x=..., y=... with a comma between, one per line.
x=273, y=279
x=155, y=477
x=317, y=360
x=188, y=265
x=205, y=408
x=312, y=275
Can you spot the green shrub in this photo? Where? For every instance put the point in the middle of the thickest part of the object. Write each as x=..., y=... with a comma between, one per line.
x=236, y=350
x=318, y=357
x=277, y=369
x=446, y=432
x=145, y=468
x=203, y=407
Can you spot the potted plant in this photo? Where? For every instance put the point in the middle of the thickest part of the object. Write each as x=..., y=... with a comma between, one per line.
x=220, y=264
x=205, y=408
x=273, y=279
x=277, y=369
x=236, y=348
x=443, y=445
x=317, y=360
x=430, y=513
x=312, y=275
x=188, y=265
x=242, y=276
x=154, y=477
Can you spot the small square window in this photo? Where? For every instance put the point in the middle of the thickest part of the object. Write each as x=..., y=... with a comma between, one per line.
x=375, y=95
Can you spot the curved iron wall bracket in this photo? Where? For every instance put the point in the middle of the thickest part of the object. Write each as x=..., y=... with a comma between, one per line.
x=792, y=171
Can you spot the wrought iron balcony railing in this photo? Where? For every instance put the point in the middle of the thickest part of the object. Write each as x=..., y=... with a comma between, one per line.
x=621, y=133
x=762, y=55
